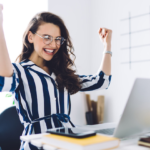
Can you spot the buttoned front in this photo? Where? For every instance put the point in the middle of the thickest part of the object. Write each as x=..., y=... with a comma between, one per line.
x=40, y=105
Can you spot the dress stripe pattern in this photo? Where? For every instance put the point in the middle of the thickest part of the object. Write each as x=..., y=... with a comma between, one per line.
x=39, y=104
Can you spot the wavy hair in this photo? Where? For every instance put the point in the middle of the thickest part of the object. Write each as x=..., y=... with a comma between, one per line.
x=61, y=64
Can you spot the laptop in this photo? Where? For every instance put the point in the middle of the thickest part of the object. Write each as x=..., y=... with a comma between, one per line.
x=135, y=119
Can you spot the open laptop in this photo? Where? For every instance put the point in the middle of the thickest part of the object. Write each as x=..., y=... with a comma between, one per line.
x=135, y=119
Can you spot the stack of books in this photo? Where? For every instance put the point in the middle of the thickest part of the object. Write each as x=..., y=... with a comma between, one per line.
x=95, y=113
x=96, y=142
x=145, y=141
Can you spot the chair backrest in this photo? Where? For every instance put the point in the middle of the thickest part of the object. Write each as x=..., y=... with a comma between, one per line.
x=10, y=129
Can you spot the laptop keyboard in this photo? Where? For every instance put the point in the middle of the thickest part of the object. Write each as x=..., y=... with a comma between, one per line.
x=108, y=131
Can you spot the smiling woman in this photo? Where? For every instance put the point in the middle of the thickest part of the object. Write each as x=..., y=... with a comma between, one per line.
x=43, y=80
x=35, y=49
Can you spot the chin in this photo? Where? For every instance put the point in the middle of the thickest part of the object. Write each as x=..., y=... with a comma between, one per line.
x=47, y=59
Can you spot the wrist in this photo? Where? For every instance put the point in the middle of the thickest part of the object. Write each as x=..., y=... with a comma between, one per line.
x=107, y=47
x=108, y=52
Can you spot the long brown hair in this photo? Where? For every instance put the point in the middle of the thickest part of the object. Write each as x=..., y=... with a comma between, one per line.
x=61, y=64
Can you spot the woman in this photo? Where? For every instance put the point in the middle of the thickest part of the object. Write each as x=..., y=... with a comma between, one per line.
x=43, y=79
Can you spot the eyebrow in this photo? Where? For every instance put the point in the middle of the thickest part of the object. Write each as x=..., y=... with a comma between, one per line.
x=50, y=35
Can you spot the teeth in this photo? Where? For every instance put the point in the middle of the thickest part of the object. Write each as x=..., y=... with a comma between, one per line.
x=49, y=50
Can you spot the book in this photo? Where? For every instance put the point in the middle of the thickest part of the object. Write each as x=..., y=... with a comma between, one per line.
x=89, y=113
x=94, y=106
x=38, y=143
x=97, y=142
x=144, y=141
x=100, y=109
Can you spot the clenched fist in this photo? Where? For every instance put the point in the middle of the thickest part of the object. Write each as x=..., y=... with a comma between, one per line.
x=105, y=36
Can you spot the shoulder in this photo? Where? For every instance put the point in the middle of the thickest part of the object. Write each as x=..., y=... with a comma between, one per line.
x=18, y=67
x=23, y=64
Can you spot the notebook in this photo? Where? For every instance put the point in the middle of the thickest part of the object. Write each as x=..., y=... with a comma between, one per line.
x=96, y=142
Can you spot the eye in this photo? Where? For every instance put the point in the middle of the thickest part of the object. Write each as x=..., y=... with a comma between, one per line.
x=46, y=37
x=58, y=38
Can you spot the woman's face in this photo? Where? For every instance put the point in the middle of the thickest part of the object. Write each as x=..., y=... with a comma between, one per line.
x=42, y=50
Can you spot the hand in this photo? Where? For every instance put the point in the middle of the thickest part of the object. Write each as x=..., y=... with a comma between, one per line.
x=1, y=14
x=105, y=36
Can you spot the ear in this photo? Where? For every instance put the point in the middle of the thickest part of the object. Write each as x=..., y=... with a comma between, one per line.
x=30, y=37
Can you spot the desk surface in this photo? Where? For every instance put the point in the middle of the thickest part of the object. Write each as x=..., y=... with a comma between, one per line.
x=124, y=145
x=130, y=144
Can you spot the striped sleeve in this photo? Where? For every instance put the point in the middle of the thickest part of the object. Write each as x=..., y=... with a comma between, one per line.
x=93, y=82
x=9, y=84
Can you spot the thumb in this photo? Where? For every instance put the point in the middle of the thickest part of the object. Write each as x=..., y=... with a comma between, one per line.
x=1, y=6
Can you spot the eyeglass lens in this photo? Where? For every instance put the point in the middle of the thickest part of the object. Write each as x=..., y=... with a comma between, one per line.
x=48, y=40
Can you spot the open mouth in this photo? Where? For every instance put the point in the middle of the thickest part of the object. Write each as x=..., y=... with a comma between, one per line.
x=48, y=51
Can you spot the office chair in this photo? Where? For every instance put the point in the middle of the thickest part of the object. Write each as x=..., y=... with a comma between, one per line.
x=10, y=129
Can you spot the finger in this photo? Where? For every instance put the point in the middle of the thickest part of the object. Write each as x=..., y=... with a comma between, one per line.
x=103, y=31
x=1, y=6
x=100, y=30
x=101, y=36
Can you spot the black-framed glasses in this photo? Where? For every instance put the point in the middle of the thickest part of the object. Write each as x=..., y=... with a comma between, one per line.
x=47, y=39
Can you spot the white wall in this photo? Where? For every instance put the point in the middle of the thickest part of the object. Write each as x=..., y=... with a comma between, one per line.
x=16, y=16
x=109, y=14
x=83, y=19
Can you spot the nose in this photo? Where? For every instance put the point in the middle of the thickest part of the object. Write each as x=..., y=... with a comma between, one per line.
x=53, y=43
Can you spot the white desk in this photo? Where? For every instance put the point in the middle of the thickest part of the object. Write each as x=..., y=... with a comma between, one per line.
x=124, y=145
x=130, y=144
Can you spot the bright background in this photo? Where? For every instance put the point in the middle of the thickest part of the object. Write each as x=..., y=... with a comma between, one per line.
x=16, y=16
x=83, y=18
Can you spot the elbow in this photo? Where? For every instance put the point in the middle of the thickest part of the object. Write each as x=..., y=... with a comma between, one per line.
x=106, y=84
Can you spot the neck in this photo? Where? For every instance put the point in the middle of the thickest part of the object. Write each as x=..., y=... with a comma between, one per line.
x=37, y=60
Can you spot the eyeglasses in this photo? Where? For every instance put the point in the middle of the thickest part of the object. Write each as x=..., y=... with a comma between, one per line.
x=47, y=39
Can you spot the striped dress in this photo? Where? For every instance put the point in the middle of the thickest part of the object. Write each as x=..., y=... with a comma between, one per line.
x=40, y=105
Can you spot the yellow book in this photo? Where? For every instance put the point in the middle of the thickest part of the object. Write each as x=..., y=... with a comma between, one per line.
x=97, y=142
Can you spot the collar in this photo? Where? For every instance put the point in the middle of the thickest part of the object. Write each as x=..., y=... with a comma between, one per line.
x=28, y=64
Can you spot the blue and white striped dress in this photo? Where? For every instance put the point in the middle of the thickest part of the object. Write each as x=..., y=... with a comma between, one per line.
x=40, y=105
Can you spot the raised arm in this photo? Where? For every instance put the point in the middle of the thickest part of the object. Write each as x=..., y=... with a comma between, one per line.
x=102, y=78
x=6, y=68
x=105, y=37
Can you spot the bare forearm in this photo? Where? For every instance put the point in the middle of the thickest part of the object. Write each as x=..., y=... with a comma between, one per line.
x=105, y=37
x=106, y=61
x=6, y=68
